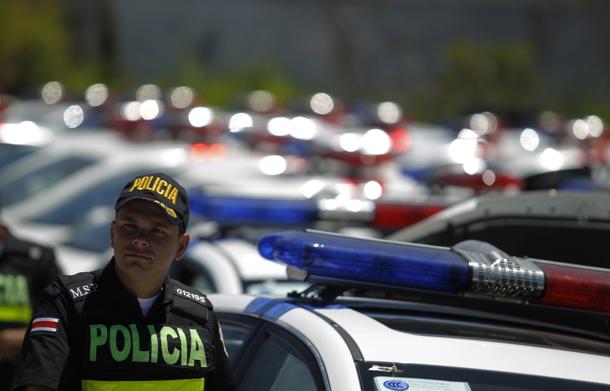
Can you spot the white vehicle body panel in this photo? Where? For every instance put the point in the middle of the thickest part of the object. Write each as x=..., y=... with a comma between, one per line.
x=250, y=265
x=378, y=342
x=221, y=271
x=330, y=346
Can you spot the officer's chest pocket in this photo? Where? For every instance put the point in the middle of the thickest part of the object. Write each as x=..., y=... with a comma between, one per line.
x=151, y=351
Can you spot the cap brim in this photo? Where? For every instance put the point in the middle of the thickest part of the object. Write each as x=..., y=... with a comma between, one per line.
x=163, y=207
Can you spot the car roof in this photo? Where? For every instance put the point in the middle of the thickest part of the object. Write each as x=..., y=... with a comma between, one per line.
x=90, y=144
x=562, y=225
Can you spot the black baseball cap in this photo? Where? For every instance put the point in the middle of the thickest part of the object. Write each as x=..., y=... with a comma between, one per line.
x=161, y=189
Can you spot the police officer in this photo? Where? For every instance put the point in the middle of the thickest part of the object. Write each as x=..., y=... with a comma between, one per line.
x=25, y=269
x=129, y=326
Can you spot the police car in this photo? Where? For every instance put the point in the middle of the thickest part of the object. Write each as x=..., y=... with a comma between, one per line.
x=385, y=315
x=44, y=166
x=61, y=200
x=567, y=226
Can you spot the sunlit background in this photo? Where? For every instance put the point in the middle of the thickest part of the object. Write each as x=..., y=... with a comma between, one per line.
x=437, y=59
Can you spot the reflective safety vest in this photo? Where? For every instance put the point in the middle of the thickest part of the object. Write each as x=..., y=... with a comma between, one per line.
x=15, y=306
x=170, y=349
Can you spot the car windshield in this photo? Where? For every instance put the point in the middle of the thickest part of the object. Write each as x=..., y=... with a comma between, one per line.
x=25, y=186
x=380, y=376
x=73, y=209
x=11, y=152
x=92, y=237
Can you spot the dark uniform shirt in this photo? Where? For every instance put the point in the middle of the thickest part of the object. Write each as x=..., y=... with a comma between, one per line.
x=25, y=269
x=88, y=332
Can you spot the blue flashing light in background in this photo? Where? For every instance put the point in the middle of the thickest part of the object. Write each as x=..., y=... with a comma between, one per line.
x=235, y=209
x=419, y=174
x=357, y=259
x=579, y=184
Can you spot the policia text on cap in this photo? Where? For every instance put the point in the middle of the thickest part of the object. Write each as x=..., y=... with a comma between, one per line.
x=129, y=326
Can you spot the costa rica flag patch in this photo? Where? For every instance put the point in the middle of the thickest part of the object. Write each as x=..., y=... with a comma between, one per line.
x=47, y=324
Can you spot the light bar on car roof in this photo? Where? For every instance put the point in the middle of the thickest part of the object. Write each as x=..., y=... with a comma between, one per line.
x=269, y=210
x=473, y=268
x=238, y=209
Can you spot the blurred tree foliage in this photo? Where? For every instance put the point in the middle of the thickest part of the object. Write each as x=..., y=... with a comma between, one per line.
x=35, y=47
x=223, y=87
x=489, y=76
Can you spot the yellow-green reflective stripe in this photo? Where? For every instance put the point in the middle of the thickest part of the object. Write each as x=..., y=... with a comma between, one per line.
x=156, y=385
x=16, y=313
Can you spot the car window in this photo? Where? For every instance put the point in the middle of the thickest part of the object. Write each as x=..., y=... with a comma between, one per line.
x=11, y=152
x=25, y=186
x=72, y=209
x=91, y=237
x=235, y=336
x=277, y=367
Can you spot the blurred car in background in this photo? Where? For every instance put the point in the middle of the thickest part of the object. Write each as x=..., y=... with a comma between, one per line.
x=560, y=225
x=61, y=199
x=44, y=168
x=225, y=228
x=12, y=152
x=35, y=122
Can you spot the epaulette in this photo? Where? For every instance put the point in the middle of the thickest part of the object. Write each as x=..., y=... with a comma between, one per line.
x=190, y=302
x=80, y=285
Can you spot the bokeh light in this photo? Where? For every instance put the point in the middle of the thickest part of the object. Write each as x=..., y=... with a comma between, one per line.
x=239, y=121
x=273, y=165
x=389, y=112
x=73, y=116
x=200, y=116
x=52, y=92
x=261, y=101
x=529, y=139
x=322, y=103
x=279, y=126
x=148, y=91
x=96, y=94
x=181, y=97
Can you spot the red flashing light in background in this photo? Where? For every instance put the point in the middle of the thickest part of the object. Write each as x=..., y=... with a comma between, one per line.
x=202, y=150
x=487, y=180
x=401, y=140
x=357, y=158
x=400, y=215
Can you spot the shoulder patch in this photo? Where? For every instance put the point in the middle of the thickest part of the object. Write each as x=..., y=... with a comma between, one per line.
x=190, y=303
x=195, y=296
x=44, y=324
x=80, y=285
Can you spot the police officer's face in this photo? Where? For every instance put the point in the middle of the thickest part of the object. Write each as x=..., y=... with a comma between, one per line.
x=145, y=243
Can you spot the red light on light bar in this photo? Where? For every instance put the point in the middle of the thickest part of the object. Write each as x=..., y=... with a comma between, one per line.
x=566, y=286
x=402, y=215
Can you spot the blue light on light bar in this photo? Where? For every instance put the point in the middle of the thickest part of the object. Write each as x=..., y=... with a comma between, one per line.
x=235, y=209
x=357, y=259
